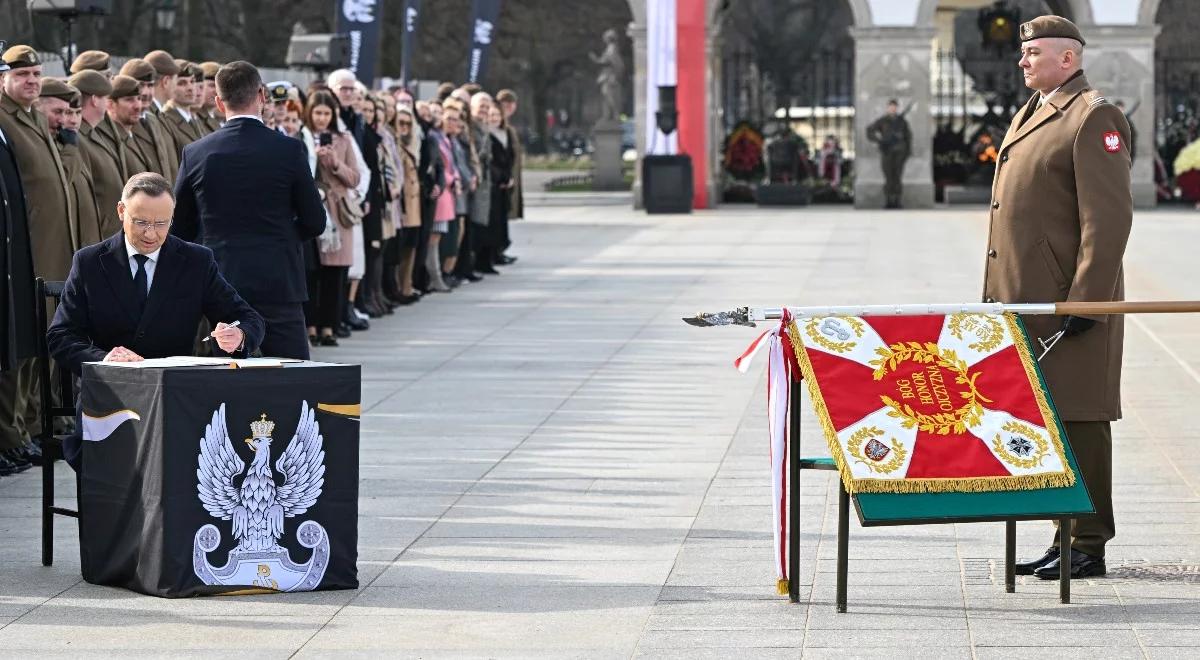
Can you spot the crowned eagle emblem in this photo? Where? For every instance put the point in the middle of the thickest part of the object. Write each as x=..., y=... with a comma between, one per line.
x=257, y=505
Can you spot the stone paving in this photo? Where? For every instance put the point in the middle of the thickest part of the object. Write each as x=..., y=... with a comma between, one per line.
x=553, y=465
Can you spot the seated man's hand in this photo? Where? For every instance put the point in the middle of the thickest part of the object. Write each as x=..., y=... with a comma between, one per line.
x=228, y=337
x=122, y=354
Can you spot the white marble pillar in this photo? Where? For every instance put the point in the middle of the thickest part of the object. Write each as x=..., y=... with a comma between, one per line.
x=893, y=62
x=637, y=34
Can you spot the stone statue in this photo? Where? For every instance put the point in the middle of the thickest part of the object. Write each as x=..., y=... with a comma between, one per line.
x=612, y=72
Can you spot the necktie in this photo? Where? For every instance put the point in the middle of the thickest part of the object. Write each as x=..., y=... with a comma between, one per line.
x=140, y=280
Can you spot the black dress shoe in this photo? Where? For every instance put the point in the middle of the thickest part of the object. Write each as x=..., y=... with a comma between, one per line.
x=505, y=260
x=408, y=300
x=33, y=451
x=1082, y=565
x=1029, y=566
x=329, y=340
x=489, y=271
x=452, y=281
x=313, y=340
x=342, y=331
x=474, y=277
x=6, y=467
x=17, y=458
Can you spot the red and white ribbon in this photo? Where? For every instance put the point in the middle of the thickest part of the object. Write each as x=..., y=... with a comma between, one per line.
x=779, y=391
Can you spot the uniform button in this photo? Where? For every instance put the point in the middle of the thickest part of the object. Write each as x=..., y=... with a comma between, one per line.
x=989, y=299
x=995, y=205
x=992, y=253
x=1004, y=158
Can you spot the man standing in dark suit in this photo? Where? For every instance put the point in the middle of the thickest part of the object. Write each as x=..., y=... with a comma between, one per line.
x=248, y=192
x=140, y=294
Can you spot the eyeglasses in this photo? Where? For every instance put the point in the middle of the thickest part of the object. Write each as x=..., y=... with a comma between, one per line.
x=405, y=123
x=144, y=225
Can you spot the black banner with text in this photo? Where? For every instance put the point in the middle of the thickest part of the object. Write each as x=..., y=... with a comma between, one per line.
x=485, y=14
x=361, y=19
x=412, y=14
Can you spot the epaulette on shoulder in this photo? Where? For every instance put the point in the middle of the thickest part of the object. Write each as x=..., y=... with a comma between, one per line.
x=1094, y=98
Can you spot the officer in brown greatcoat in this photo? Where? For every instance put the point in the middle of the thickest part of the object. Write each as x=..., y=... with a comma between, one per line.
x=51, y=215
x=153, y=144
x=60, y=103
x=106, y=158
x=176, y=114
x=1060, y=218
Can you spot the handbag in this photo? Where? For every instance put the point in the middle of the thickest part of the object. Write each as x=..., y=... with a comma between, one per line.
x=349, y=208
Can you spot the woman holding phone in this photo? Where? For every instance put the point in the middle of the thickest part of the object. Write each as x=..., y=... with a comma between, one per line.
x=337, y=176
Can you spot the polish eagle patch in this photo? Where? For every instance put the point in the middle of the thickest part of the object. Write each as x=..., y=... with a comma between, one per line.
x=1112, y=142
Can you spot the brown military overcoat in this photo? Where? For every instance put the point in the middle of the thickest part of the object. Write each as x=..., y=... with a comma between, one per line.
x=182, y=131
x=1061, y=213
x=79, y=173
x=50, y=206
x=107, y=160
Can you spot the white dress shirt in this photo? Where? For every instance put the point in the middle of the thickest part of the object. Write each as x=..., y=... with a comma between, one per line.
x=151, y=262
x=254, y=117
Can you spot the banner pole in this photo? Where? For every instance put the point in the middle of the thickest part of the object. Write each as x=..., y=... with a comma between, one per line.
x=747, y=316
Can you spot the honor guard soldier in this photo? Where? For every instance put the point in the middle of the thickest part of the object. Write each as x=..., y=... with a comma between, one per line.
x=61, y=104
x=1060, y=217
x=93, y=60
x=177, y=112
x=18, y=343
x=211, y=117
x=106, y=158
x=50, y=213
x=115, y=131
x=894, y=139
x=155, y=146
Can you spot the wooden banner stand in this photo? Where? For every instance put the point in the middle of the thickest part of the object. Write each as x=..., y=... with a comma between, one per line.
x=881, y=510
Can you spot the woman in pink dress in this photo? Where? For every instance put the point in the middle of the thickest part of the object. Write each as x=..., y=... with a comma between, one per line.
x=444, y=211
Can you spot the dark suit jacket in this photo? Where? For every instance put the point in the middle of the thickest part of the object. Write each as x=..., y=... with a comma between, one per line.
x=98, y=310
x=248, y=191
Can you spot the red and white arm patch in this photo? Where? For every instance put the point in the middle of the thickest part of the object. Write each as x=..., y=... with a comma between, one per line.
x=1112, y=142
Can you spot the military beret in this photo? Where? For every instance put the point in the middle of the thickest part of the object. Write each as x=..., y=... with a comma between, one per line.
x=123, y=86
x=194, y=71
x=57, y=89
x=162, y=62
x=20, y=57
x=140, y=70
x=91, y=60
x=92, y=83
x=1050, y=26
x=210, y=70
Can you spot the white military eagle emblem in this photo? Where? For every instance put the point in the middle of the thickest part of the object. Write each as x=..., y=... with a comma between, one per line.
x=258, y=505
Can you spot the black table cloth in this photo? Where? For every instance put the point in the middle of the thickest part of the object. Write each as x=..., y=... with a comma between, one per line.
x=206, y=480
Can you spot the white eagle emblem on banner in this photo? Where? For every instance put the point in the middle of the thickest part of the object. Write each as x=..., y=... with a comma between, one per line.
x=258, y=506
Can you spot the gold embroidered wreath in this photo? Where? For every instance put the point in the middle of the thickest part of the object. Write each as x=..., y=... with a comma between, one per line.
x=957, y=421
x=1040, y=451
x=855, y=446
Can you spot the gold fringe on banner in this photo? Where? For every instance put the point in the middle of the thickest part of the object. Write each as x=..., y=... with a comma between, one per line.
x=783, y=587
x=854, y=485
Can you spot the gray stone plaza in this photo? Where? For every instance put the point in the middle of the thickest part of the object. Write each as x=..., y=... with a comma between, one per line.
x=553, y=465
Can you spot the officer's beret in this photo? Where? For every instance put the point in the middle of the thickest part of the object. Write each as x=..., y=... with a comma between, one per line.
x=210, y=70
x=1050, y=26
x=123, y=86
x=91, y=60
x=57, y=89
x=20, y=57
x=194, y=71
x=162, y=62
x=140, y=70
x=91, y=82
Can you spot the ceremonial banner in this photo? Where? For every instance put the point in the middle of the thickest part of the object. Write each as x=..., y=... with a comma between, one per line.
x=929, y=404
x=485, y=14
x=412, y=13
x=361, y=19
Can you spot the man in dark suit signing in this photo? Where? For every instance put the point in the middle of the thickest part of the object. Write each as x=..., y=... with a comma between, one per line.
x=247, y=192
x=141, y=293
